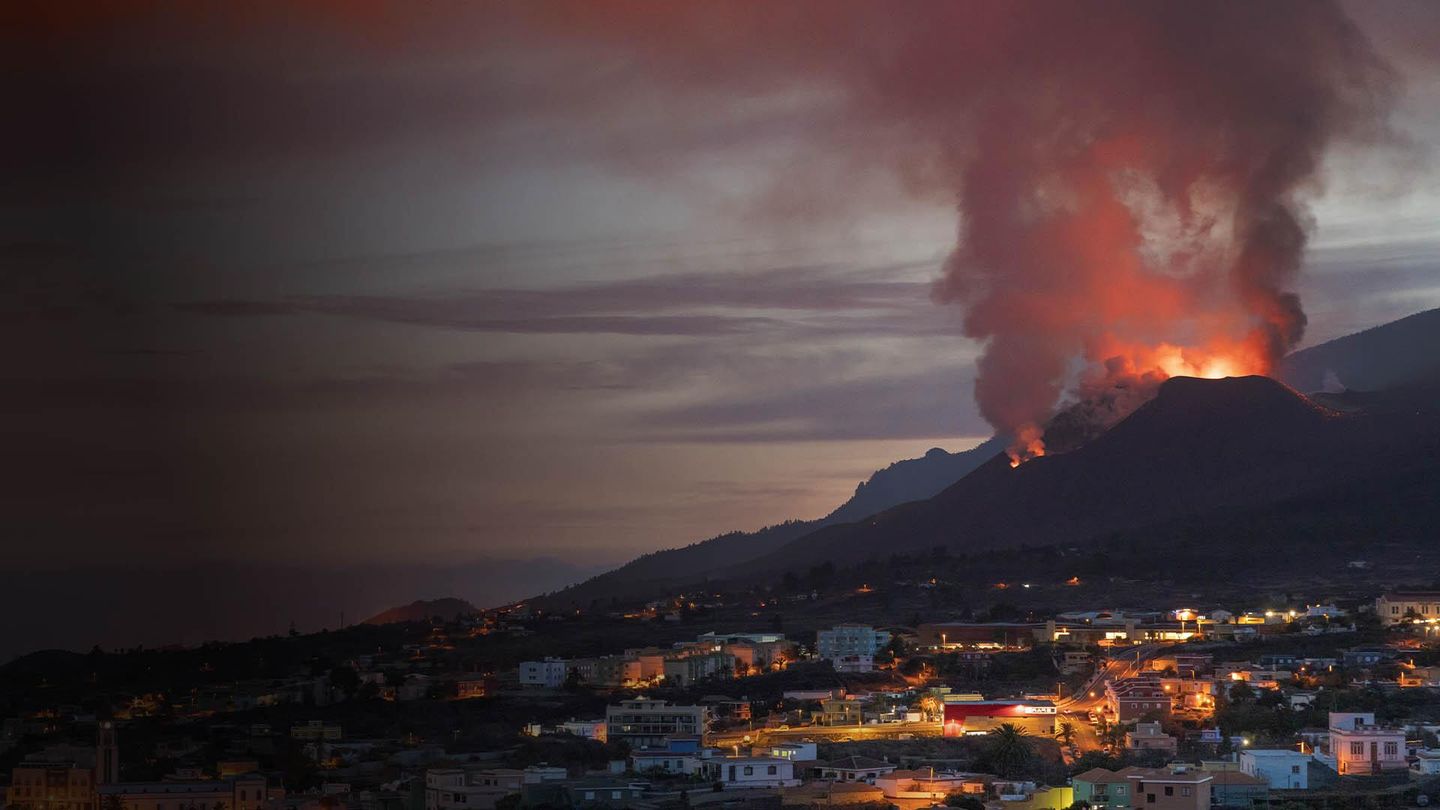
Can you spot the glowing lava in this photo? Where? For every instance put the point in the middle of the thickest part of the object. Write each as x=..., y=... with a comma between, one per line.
x=1132, y=372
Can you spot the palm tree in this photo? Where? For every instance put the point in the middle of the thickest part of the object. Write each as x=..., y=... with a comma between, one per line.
x=1067, y=735
x=1009, y=750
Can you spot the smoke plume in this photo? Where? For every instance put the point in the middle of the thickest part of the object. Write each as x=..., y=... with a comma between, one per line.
x=1130, y=178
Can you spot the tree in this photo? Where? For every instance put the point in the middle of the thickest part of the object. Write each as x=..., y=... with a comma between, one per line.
x=1009, y=751
x=1241, y=692
x=1067, y=734
x=958, y=799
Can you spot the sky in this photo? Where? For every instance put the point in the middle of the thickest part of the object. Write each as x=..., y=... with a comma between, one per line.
x=301, y=288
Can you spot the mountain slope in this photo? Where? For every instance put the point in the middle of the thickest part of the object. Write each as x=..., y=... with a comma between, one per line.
x=1400, y=353
x=447, y=608
x=901, y=482
x=1200, y=447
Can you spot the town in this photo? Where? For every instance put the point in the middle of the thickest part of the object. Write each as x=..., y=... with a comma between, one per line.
x=1319, y=705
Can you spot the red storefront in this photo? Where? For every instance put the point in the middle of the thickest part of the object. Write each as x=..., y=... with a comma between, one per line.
x=979, y=716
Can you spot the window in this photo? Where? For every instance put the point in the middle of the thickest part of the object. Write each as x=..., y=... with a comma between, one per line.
x=1294, y=768
x=614, y=794
x=749, y=770
x=1357, y=749
x=1169, y=791
x=1392, y=749
x=1184, y=791
x=772, y=770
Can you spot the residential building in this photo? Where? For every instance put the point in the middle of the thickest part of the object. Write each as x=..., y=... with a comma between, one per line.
x=1365, y=656
x=1359, y=746
x=607, y=670
x=547, y=674
x=1130, y=699
x=1075, y=661
x=745, y=771
x=1401, y=606
x=1178, y=788
x=851, y=647
x=249, y=792
x=795, y=752
x=596, y=792
x=1281, y=769
x=679, y=755
x=1426, y=764
x=840, y=712
x=589, y=729
x=645, y=723
x=1231, y=788
x=1150, y=737
x=651, y=661
x=468, y=688
x=926, y=784
x=686, y=670
x=753, y=656
x=1103, y=788
x=854, y=768
x=1041, y=798
x=464, y=789
x=1190, y=694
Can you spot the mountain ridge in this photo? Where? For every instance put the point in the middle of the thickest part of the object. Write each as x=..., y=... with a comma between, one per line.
x=900, y=482
x=1198, y=446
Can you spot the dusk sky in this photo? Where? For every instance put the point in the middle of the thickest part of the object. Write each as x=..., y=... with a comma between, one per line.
x=330, y=283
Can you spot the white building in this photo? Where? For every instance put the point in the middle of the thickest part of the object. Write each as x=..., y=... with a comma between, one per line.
x=1282, y=769
x=644, y=723
x=1400, y=606
x=589, y=729
x=1360, y=746
x=1427, y=763
x=547, y=674
x=740, y=772
x=795, y=752
x=851, y=647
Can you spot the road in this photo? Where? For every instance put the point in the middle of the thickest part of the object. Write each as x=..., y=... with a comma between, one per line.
x=1126, y=664
x=876, y=731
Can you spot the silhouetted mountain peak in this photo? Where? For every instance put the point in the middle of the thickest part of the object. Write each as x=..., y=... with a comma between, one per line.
x=1251, y=398
x=447, y=608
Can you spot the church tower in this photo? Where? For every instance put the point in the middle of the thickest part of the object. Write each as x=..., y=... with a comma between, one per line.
x=107, y=755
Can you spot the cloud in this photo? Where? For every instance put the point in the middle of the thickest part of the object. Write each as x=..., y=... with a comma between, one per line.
x=819, y=300
x=924, y=404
